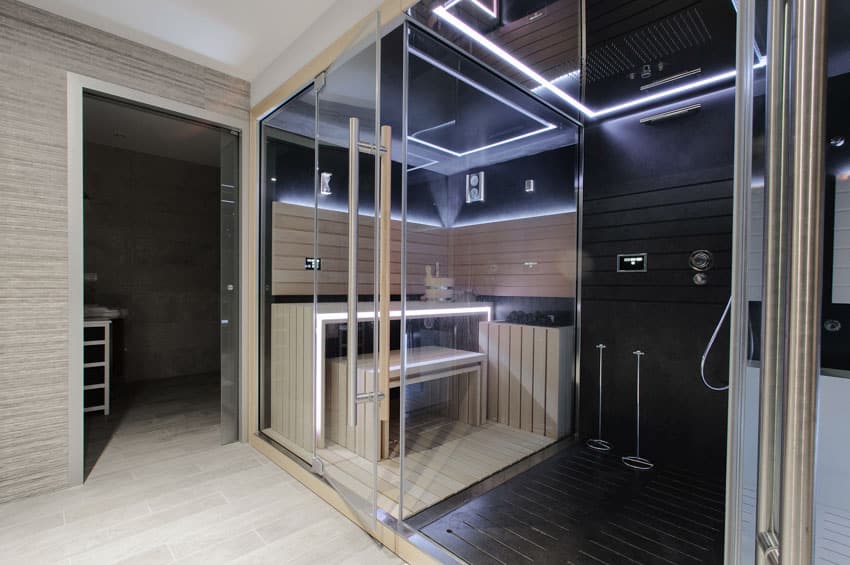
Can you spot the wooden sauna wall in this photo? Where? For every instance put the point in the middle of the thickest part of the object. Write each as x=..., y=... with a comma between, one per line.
x=529, y=376
x=292, y=229
x=292, y=377
x=491, y=259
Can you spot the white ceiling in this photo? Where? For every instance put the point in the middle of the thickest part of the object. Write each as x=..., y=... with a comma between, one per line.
x=237, y=37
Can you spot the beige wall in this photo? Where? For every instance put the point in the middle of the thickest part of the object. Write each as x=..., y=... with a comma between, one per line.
x=37, y=49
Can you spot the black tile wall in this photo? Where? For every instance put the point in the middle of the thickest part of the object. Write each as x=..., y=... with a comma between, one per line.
x=664, y=190
x=152, y=236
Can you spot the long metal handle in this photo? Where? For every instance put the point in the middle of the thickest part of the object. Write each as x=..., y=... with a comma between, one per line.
x=638, y=354
x=600, y=347
x=384, y=257
x=806, y=274
x=353, y=205
x=775, y=295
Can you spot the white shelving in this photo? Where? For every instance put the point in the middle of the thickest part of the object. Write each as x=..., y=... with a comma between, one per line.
x=90, y=346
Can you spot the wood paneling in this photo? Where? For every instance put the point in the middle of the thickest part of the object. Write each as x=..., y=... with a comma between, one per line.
x=487, y=258
x=491, y=258
x=533, y=390
x=292, y=377
x=292, y=228
x=37, y=49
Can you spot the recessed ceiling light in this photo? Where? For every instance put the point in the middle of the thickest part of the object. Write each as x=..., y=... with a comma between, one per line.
x=273, y=179
x=837, y=141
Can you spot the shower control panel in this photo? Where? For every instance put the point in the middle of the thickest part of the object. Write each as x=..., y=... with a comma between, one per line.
x=631, y=263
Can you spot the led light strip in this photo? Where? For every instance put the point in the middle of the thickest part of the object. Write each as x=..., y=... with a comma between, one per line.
x=428, y=161
x=442, y=13
x=702, y=83
x=448, y=70
x=550, y=127
x=458, y=24
x=492, y=12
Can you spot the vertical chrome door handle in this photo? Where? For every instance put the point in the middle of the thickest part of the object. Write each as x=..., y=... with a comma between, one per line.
x=353, y=205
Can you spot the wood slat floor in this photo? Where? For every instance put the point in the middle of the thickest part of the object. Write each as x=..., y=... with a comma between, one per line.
x=163, y=490
x=585, y=507
x=444, y=457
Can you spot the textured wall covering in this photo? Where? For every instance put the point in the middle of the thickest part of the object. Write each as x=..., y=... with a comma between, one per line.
x=152, y=238
x=36, y=51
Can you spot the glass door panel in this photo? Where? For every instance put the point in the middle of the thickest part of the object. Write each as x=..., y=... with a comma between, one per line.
x=286, y=409
x=489, y=265
x=229, y=286
x=346, y=273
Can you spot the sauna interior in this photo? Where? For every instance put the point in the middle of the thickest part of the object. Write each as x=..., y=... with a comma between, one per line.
x=481, y=256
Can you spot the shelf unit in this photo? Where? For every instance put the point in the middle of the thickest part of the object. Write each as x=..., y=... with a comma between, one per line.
x=97, y=334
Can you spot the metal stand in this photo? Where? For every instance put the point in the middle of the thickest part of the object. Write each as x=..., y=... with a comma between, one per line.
x=636, y=461
x=598, y=443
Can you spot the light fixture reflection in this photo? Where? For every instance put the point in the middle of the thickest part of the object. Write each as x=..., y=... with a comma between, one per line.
x=484, y=90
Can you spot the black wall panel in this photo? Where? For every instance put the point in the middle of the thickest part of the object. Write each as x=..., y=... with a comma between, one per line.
x=664, y=190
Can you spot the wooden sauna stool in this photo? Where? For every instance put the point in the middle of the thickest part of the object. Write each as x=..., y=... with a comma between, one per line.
x=460, y=371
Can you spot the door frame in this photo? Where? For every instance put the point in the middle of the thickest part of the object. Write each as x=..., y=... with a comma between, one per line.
x=77, y=86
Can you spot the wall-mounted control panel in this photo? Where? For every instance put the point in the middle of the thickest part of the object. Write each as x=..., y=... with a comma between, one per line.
x=631, y=263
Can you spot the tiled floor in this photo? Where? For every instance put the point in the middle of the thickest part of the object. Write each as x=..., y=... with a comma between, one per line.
x=583, y=507
x=164, y=491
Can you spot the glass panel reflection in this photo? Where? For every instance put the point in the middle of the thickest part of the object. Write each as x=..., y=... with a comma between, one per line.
x=490, y=260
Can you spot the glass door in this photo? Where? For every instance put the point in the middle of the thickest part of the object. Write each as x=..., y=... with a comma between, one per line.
x=318, y=396
x=346, y=273
x=229, y=236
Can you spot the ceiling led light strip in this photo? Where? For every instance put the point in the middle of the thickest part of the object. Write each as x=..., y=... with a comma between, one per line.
x=458, y=24
x=483, y=148
x=673, y=91
x=442, y=13
x=491, y=11
x=448, y=70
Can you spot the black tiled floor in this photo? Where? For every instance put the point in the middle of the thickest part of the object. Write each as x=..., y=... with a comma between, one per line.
x=582, y=506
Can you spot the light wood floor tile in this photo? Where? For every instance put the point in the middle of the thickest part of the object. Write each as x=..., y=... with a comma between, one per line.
x=162, y=494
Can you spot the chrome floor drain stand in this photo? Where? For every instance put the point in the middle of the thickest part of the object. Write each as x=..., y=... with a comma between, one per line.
x=598, y=443
x=636, y=461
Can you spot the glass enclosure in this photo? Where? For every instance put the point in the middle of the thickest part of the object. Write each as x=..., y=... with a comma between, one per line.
x=460, y=192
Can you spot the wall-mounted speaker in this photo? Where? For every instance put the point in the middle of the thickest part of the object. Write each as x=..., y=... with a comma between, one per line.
x=475, y=187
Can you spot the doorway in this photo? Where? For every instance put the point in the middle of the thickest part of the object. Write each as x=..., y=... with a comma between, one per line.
x=161, y=265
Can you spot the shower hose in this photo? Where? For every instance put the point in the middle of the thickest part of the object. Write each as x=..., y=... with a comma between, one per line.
x=708, y=350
